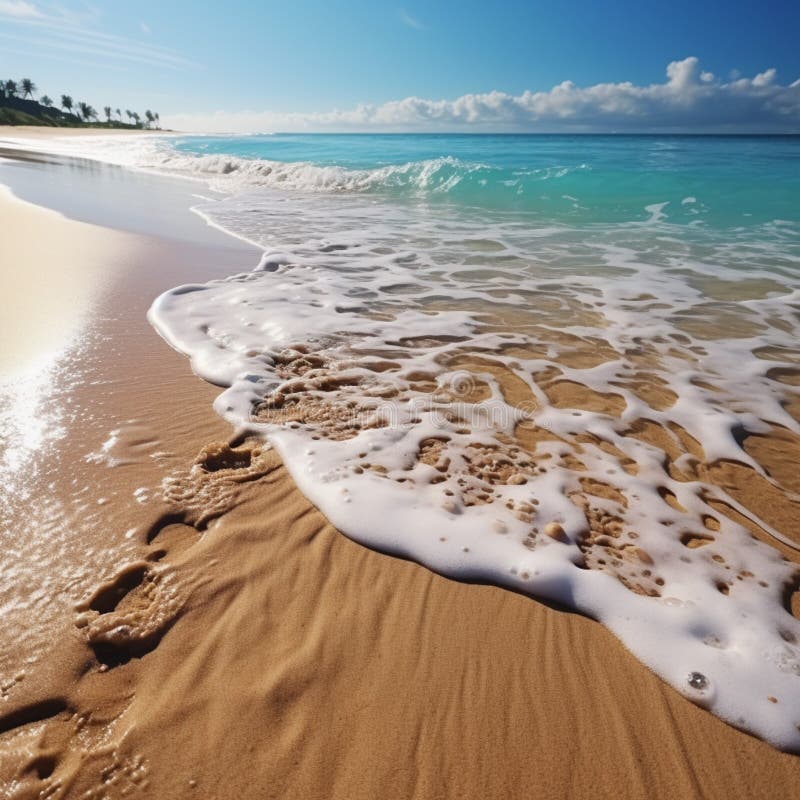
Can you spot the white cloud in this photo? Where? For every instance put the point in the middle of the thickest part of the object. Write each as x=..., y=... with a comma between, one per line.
x=765, y=78
x=67, y=34
x=409, y=20
x=689, y=100
x=19, y=9
x=144, y=28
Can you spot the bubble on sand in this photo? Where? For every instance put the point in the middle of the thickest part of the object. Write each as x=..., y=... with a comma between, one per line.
x=697, y=681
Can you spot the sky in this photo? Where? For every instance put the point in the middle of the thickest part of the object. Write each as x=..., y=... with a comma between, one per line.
x=442, y=65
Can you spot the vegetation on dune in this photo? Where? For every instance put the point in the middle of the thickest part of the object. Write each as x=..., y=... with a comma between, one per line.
x=18, y=106
x=10, y=116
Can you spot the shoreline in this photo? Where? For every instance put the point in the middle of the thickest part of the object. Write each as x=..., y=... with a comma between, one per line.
x=486, y=693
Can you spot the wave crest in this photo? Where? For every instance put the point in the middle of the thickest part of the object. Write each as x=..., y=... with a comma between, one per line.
x=429, y=176
x=439, y=174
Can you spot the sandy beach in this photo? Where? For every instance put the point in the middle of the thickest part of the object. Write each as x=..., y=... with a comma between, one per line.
x=47, y=133
x=180, y=621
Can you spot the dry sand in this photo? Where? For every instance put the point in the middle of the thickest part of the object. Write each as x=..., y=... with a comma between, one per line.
x=233, y=644
x=48, y=132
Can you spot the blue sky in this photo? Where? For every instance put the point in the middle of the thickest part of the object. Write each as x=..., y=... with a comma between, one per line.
x=325, y=64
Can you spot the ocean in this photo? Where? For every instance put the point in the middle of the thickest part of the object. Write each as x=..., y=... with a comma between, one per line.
x=722, y=180
x=529, y=360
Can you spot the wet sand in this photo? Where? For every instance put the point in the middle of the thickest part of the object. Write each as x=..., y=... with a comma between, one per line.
x=221, y=639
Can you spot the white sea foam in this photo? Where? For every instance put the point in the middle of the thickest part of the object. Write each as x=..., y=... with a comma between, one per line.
x=232, y=174
x=379, y=305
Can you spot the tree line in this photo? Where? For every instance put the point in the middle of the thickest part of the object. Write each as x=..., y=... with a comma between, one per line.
x=26, y=89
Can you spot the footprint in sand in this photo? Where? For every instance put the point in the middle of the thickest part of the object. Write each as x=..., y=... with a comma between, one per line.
x=127, y=616
x=171, y=535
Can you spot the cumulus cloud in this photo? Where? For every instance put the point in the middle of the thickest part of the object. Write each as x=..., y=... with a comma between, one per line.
x=765, y=78
x=688, y=100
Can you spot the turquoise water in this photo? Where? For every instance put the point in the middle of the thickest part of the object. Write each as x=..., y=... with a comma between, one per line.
x=723, y=181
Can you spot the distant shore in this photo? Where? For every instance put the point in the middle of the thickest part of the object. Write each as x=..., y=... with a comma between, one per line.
x=225, y=640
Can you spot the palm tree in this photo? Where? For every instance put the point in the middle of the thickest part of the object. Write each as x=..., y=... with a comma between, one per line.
x=28, y=87
x=86, y=111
